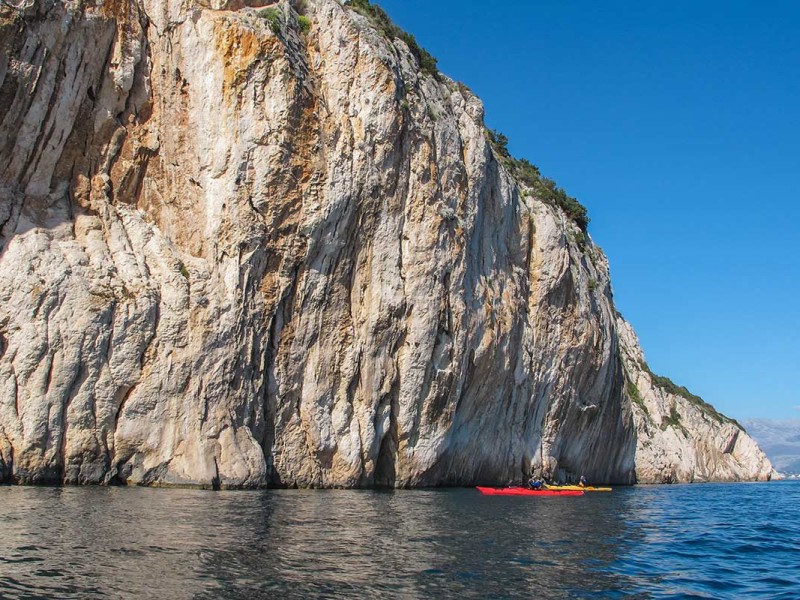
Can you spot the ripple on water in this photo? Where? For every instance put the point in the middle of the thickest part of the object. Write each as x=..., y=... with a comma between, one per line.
x=701, y=541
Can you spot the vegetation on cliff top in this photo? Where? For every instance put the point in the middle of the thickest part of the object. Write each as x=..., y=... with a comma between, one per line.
x=543, y=188
x=380, y=19
x=666, y=384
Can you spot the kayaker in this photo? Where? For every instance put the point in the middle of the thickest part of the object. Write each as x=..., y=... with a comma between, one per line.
x=583, y=482
x=535, y=483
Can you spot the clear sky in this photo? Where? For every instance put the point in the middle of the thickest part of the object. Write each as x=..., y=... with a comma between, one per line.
x=677, y=124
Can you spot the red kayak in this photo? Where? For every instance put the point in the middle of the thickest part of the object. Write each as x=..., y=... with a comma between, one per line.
x=521, y=491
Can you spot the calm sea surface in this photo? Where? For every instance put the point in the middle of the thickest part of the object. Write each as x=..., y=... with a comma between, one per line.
x=715, y=541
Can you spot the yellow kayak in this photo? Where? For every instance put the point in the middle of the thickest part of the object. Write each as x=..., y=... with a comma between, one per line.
x=588, y=488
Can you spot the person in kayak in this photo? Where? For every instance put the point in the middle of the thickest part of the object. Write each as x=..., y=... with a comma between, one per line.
x=583, y=482
x=535, y=483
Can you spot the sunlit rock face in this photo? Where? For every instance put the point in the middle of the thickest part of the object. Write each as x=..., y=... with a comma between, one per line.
x=237, y=254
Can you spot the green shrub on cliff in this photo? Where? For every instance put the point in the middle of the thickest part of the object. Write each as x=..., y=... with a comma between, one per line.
x=499, y=142
x=304, y=23
x=380, y=19
x=273, y=17
x=666, y=384
x=527, y=172
x=673, y=420
x=636, y=397
x=549, y=192
x=543, y=188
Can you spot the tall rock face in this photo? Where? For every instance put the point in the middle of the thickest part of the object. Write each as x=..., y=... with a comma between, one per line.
x=239, y=251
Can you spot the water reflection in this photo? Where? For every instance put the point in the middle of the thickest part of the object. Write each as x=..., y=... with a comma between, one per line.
x=88, y=542
x=135, y=542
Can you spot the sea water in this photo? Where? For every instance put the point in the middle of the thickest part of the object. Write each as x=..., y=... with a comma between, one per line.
x=711, y=540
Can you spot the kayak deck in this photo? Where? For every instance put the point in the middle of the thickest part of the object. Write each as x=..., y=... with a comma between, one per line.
x=521, y=491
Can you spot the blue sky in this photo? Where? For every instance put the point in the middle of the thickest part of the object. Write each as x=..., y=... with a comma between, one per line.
x=678, y=125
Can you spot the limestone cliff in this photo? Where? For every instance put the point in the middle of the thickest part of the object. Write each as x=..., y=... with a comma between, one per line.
x=238, y=248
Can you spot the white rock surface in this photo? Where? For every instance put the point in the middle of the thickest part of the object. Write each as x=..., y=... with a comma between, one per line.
x=231, y=257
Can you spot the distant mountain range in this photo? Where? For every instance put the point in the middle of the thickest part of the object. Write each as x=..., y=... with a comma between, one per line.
x=780, y=440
